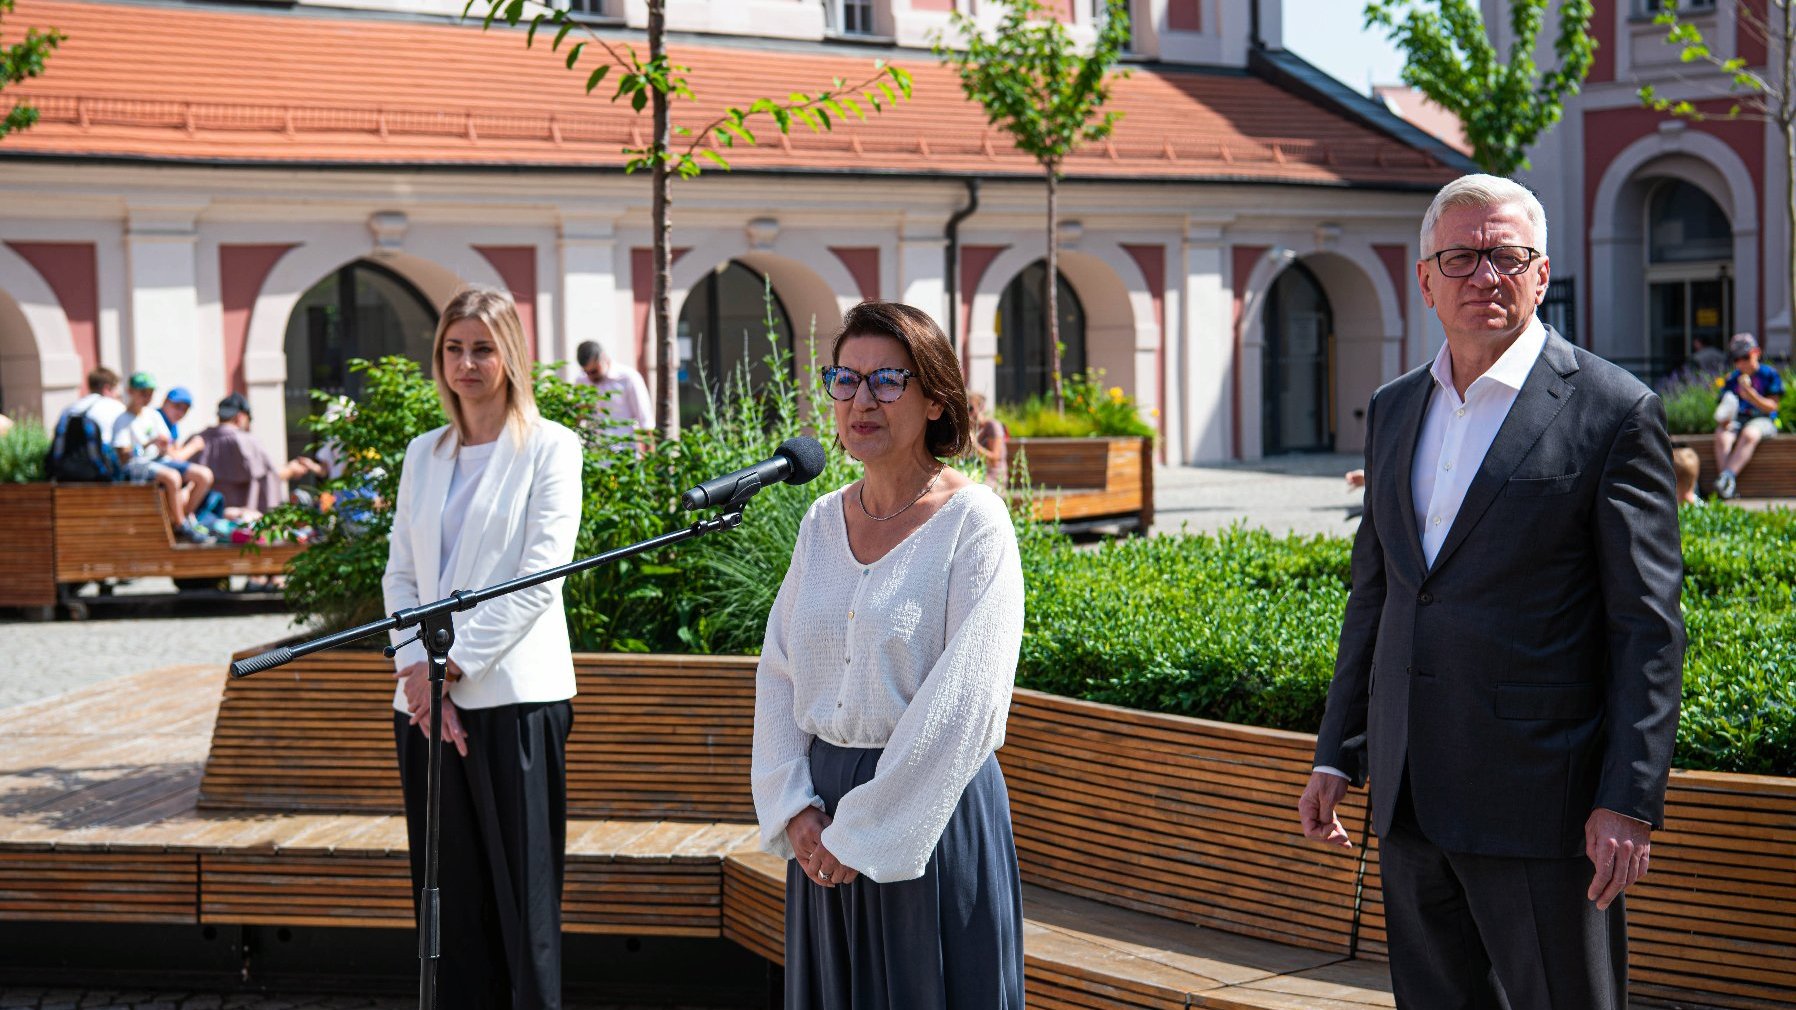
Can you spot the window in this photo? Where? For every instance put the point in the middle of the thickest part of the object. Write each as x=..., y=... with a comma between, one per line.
x=1648, y=8
x=586, y=8
x=853, y=17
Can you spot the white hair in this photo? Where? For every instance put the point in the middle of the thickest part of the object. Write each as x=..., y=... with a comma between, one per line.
x=1484, y=191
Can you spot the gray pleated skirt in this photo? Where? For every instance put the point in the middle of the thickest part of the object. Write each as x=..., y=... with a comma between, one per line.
x=951, y=939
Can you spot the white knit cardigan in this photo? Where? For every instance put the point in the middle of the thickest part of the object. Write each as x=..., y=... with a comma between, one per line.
x=915, y=653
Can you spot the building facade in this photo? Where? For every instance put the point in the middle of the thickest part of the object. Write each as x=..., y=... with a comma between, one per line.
x=1668, y=233
x=235, y=197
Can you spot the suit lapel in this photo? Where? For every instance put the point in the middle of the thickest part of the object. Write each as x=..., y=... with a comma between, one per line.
x=1407, y=429
x=484, y=511
x=1543, y=395
x=433, y=492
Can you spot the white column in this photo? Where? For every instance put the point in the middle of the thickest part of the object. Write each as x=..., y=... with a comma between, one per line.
x=166, y=335
x=1206, y=341
x=589, y=291
x=922, y=266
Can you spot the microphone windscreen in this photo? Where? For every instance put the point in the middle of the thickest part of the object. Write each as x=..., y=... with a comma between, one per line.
x=806, y=456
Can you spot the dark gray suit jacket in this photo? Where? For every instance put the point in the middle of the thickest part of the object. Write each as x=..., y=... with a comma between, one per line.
x=1533, y=673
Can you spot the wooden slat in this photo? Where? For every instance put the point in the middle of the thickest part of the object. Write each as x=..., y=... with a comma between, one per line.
x=27, y=551
x=123, y=531
x=1770, y=474
x=1086, y=478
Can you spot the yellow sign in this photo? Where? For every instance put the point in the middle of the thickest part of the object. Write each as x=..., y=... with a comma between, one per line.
x=1708, y=317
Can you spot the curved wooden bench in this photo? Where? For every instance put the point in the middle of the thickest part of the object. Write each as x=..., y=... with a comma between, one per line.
x=63, y=535
x=1159, y=853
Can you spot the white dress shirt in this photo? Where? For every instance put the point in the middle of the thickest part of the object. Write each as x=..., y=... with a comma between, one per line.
x=1456, y=434
x=915, y=653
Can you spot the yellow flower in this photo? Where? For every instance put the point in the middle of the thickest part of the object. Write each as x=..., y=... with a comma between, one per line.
x=1720, y=380
x=1153, y=412
x=1116, y=394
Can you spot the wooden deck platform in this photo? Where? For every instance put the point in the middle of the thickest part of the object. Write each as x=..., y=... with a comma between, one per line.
x=101, y=820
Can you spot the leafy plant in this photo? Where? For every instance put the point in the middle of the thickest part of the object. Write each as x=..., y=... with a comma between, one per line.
x=1091, y=410
x=654, y=83
x=18, y=62
x=335, y=581
x=1690, y=399
x=22, y=451
x=1034, y=84
x=1502, y=105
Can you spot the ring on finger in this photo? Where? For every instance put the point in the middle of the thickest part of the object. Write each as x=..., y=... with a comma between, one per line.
x=822, y=874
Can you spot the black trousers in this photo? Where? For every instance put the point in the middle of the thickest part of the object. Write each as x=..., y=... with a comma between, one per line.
x=1471, y=932
x=504, y=842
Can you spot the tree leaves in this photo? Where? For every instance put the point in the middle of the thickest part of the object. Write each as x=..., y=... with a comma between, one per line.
x=1503, y=103
x=22, y=60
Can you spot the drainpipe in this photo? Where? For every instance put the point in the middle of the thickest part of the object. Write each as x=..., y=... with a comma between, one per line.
x=1253, y=12
x=952, y=234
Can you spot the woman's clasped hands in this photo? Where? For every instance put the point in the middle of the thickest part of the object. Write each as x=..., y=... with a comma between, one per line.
x=805, y=832
x=415, y=680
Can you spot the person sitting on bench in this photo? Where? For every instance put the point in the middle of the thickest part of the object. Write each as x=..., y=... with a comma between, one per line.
x=145, y=447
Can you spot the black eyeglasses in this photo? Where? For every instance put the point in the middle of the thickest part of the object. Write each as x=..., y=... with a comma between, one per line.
x=1508, y=260
x=886, y=384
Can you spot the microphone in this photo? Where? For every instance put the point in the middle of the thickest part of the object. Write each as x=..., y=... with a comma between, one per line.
x=797, y=461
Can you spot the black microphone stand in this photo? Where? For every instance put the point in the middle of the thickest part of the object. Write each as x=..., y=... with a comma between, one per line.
x=436, y=624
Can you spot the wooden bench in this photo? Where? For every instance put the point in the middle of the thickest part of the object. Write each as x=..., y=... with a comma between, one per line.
x=1770, y=474
x=1161, y=864
x=1087, y=481
x=55, y=537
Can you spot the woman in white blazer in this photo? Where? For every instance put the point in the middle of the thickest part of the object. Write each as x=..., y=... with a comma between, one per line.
x=492, y=495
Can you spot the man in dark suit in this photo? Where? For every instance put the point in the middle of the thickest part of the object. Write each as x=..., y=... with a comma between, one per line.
x=1511, y=660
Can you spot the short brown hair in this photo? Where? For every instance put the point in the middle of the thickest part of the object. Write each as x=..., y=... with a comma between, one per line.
x=938, y=367
x=1685, y=464
x=100, y=379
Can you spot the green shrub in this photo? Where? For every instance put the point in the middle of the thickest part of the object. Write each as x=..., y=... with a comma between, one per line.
x=335, y=582
x=1091, y=411
x=22, y=451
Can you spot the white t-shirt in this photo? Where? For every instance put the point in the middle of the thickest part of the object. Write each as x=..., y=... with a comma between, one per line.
x=104, y=410
x=470, y=465
x=138, y=432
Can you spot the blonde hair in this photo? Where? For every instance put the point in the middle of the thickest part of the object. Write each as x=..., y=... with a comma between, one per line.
x=1484, y=191
x=495, y=310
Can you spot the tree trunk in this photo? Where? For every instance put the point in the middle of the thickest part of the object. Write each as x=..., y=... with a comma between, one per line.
x=1051, y=298
x=667, y=362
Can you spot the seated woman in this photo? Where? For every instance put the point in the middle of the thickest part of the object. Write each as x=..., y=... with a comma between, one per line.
x=882, y=692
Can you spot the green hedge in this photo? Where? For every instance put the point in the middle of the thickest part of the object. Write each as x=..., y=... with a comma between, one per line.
x=1242, y=627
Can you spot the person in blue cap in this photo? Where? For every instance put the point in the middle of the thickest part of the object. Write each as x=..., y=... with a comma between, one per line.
x=175, y=405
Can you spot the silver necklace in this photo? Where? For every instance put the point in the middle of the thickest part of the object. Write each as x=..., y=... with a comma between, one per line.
x=862, y=498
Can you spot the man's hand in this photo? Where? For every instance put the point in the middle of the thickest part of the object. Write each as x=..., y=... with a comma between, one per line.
x=1620, y=849
x=1317, y=810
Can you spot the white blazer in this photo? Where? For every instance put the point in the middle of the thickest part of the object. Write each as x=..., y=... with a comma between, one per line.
x=524, y=517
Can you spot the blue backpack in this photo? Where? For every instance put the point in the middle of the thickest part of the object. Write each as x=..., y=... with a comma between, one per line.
x=79, y=452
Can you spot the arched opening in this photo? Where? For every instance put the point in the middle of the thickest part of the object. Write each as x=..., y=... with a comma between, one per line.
x=1689, y=276
x=20, y=390
x=362, y=310
x=1025, y=363
x=1297, y=371
x=723, y=328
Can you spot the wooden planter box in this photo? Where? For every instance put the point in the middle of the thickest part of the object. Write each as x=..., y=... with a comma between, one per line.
x=1087, y=481
x=1190, y=820
x=55, y=535
x=1770, y=474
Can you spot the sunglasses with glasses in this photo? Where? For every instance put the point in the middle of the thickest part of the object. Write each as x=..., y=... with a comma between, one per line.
x=886, y=384
x=1508, y=260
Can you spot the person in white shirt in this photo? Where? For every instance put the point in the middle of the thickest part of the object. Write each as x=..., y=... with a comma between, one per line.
x=625, y=407
x=146, y=447
x=882, y=693
x=493, y=495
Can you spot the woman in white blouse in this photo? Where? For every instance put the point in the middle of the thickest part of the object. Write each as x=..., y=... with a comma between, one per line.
x=883, y=689
x=492, y=495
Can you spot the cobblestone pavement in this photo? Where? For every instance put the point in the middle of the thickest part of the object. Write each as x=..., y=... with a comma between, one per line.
x=100, y=999
x=39, y=659
x=1288, y=494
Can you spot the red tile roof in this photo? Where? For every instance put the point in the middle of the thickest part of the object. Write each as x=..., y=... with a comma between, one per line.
x=209, y=85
